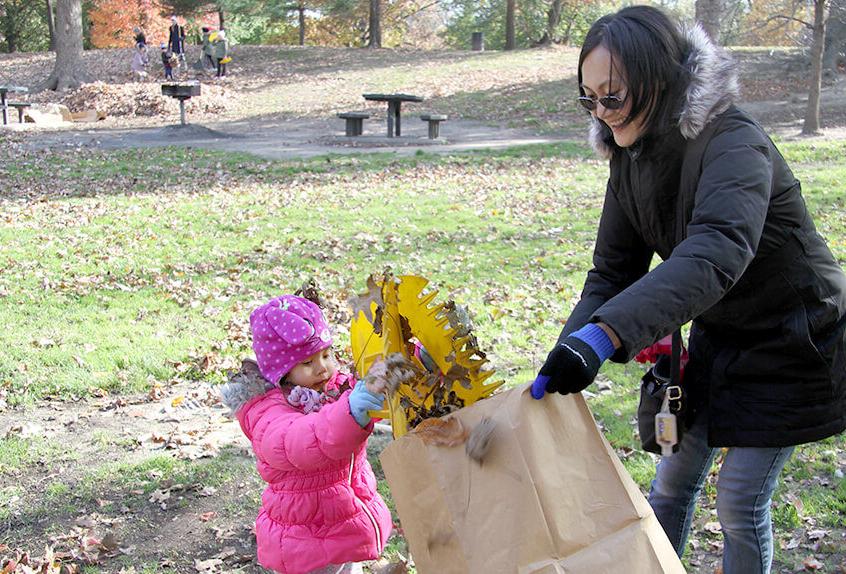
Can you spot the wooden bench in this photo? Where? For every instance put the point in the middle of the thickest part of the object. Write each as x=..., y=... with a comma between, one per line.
x=434, y=123
x=354, y=122
x=20, y=106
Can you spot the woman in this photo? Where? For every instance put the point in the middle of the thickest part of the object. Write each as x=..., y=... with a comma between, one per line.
x=695, y=180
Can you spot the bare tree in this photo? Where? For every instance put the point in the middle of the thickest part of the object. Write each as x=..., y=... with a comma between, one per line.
x=709, y=15
x=510, y=8
x=375, y=24
x=812, y=112
x=69, y=70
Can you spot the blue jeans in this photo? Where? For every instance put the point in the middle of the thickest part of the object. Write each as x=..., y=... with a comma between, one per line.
x=745, y=487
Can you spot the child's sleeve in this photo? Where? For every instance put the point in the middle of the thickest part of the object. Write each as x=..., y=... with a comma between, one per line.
x=309, y=442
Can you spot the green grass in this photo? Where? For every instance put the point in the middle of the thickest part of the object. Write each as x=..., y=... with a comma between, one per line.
x=147, y=262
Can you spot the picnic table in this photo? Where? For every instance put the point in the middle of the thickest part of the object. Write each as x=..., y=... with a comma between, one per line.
x=394, y=106
x=8, y=89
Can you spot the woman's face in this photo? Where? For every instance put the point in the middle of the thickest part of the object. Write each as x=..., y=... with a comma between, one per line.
x=599, y=79
x=315, y=371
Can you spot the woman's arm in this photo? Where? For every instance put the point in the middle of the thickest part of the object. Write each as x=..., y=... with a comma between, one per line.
x=731, y=203
x=620, y=258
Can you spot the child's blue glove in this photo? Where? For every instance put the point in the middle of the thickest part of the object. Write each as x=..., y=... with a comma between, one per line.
x=573, y=363
x=361, y=401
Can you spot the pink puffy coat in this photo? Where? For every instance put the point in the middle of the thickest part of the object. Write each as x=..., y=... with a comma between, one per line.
x=320, y=506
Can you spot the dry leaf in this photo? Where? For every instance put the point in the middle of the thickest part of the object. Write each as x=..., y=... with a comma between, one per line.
x=441, y=432
x=713, y=527
x=480, y=439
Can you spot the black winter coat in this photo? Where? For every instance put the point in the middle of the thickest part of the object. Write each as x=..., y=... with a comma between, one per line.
x=741, y=259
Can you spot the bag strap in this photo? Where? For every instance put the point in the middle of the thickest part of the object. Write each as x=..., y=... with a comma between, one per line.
x=674, y=389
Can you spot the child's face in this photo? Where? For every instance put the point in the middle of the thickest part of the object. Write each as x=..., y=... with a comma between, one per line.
x=314, y=372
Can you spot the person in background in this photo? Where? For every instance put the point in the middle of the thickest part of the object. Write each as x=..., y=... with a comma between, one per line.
x=167, y=61
x=140, y=37
x=695, y=180
x=221, y=50
x=140, y=60
x=207, y=58
x=176, y=42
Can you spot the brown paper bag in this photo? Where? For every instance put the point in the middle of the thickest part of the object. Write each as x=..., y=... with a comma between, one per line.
x=550, y=497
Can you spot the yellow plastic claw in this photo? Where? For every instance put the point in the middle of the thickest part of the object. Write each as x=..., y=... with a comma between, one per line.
x=388, y=319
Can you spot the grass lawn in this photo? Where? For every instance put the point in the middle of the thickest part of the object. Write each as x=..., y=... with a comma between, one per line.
x=122, y=271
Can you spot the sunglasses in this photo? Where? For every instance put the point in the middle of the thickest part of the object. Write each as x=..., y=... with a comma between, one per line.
x=608, y=102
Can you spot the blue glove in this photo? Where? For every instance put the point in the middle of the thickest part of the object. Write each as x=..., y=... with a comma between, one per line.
x=361, y=401
x=572, y=365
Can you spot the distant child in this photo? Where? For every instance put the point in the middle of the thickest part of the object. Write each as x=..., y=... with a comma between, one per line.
x=221, y=51
x=140, y=59
x=308, y=425
x=167, y=62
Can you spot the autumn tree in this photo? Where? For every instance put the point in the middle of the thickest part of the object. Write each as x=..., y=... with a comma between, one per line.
x=69, y=70
x=112, y=22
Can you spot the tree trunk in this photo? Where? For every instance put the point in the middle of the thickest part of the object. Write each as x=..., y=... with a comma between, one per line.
x=708, y=14
x=69, y=71
x=812, y=112
x=375, y=24
x=11, y=34
x=302, y=21
x=553, y=18
x=510, y=8
x=51, y=27
x=221, y=20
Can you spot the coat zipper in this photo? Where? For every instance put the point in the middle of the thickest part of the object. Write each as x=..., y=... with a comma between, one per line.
x=364, y=506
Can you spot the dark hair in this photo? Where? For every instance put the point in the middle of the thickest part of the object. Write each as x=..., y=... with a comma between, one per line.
x=648, y=49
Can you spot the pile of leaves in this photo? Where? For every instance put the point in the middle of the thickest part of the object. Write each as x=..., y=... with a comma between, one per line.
x=144, y=99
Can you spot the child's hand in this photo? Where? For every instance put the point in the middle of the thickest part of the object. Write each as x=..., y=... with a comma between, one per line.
x=361, y=401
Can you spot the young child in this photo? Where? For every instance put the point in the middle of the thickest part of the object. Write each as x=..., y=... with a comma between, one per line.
x=140, y=61
x=308, y=425
x=167, y=62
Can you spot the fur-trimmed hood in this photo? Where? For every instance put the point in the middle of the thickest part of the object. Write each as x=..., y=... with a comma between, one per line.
x=243, y=386
x=713, y=88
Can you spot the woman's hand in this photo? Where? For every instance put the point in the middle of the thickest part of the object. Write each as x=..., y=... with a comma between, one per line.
x=573, y=364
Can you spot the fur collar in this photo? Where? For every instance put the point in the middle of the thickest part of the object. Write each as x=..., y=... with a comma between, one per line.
x=243, y=386
x=712, y=89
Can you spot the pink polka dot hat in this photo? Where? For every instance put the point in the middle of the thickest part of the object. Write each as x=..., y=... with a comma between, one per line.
x=286, y=331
